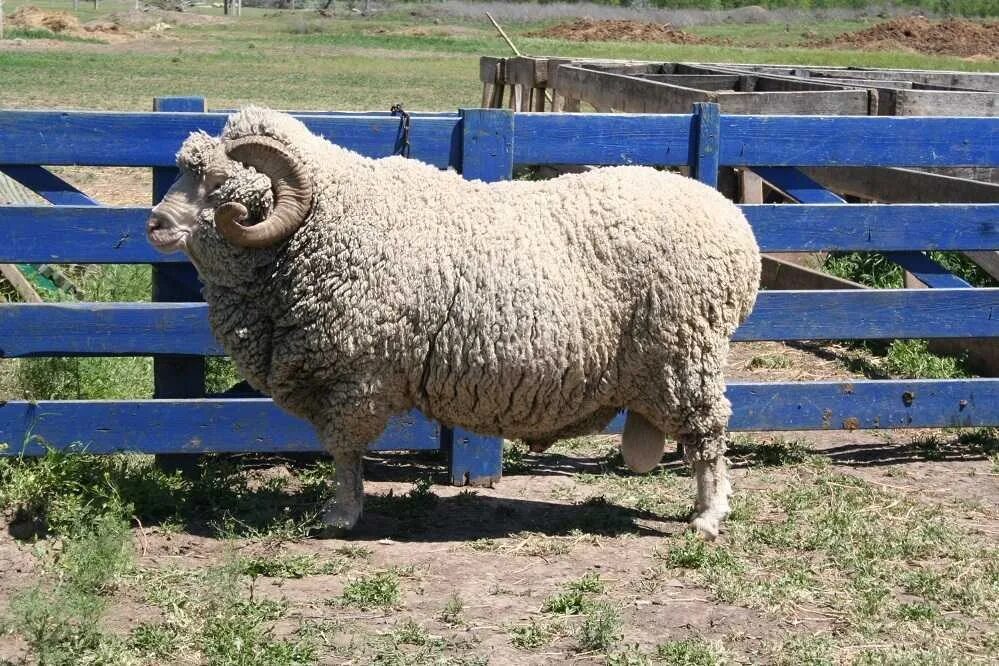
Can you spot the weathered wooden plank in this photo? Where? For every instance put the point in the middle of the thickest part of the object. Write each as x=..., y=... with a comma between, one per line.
x=182, y=427
x=891, y=185
x=697, y=81
x=602, y=139
x=175, y=376
x=861, y=404
x=527, y=71
x=797, y=185
x=779, y=273
x=143, y=329
x=628, y=94
x=76, y=234
x=491, y=70
x=704, y=166
x=803, y=103
x=983, y=81
x=487, y=144
x=256, y=425
x=949, y=103
x=872, y=314
x=21, y=285
x=858, y=141
x=874, y=227
x=47, y=185
x=927, y=271
x=106, y=329
x=152, y=139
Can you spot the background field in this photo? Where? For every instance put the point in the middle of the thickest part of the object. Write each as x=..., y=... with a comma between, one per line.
x=866, y=548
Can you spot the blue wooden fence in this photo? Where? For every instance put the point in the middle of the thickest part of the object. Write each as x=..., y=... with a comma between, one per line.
x=487, y=144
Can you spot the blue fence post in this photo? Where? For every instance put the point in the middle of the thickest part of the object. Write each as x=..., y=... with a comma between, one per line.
x=176, y=376
x=487, y=155
x=705, y=148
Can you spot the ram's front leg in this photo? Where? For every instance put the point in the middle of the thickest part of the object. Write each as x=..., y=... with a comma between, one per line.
x=343, y=511
x=346, y=434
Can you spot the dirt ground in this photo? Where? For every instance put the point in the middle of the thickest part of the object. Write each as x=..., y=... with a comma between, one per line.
x=591, y=30
x=958, y=37
x=504, y=550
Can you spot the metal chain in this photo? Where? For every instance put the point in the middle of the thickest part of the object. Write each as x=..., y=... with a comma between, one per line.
x=397, y=110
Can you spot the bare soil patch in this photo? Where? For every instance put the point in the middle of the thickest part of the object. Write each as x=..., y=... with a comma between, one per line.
x=126, y=26
x=958, y=37
x=591, y=30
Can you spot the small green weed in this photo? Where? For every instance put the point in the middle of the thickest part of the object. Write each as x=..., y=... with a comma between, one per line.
x=806, y=651
x=288, y=566
x=452, y=611
x=565, y=603
x=515, y=458
x=693, y=552
x=688, y=652
x=770, y=362
x=601, y=627
x=155, y=641
x=590, y=583
x=410, y=632
x=377, y=590
x=536, y=634
x=774, y=453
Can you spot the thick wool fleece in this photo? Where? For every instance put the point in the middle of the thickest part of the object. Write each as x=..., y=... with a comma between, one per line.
x=520, y=309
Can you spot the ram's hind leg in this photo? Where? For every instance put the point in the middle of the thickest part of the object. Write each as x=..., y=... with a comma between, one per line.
x=704, y=443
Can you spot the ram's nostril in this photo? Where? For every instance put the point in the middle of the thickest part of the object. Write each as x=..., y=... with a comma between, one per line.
x=155, y=223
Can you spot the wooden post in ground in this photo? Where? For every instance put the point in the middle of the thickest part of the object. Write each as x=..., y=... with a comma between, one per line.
x=176, y=376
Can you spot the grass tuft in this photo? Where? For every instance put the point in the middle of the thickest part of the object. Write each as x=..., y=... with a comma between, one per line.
x=378, y=590
x=688, y=652
x=601, y=627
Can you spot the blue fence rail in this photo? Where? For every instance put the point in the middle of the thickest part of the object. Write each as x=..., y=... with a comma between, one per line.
x=488, y=145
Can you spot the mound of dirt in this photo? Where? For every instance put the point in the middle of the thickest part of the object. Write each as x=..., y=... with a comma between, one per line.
x=116, y=28
x=33, y=18
x=590, y=30
x=142, y=19
x=968, y=39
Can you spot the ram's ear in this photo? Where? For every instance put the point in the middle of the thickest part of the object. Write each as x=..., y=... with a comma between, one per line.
x=199, y=151
x=290, y=183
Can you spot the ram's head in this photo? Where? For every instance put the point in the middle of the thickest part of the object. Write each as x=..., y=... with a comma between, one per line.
x=251, y=191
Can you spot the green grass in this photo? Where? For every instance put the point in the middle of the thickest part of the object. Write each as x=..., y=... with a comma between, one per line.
x=601, y=627
x=452, y=612
x=536, y=633
x=355, y=63
x=688, y=652
x=378, y=590
x=289, y=565
x=41, y=33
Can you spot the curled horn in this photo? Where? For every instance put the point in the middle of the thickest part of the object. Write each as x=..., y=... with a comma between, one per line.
x=292, y=194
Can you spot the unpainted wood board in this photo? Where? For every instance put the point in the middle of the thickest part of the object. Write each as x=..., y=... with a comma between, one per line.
x=804, y=103
x=893, y=185
x=696, y=81
x=936, y=103
x=491, y=69
x=626, y=94
x=526, y=71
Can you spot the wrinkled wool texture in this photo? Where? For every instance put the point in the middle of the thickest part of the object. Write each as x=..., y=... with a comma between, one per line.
x=521, y=309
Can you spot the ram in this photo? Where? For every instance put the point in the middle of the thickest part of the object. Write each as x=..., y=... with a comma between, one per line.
x=351, y=289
